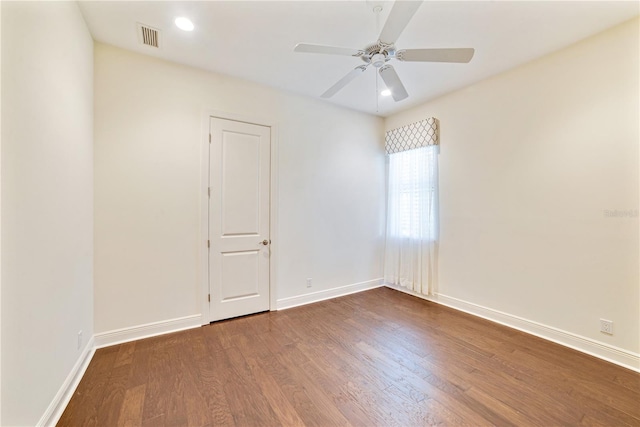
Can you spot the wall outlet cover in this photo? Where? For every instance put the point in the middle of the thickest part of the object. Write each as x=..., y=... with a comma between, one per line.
x=606, y=326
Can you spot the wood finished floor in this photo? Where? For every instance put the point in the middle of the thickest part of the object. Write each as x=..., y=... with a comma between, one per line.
x=376, y=358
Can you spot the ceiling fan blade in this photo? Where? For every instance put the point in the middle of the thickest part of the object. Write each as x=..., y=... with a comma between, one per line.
x=462, y=55
x=331, y=50
x=400, y=15
x=344, y=81
x=391, y=79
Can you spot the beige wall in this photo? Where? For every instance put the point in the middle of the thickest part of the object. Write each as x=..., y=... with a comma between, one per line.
x=148, y=145
x=47, y=209
x=530, y=161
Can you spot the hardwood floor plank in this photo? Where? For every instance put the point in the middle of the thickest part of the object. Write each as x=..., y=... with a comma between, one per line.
x=139, y=374
x=113, y=397
x=175, y=391
x=355, y=385
x=628, y=380
x=157, y=421
x=196, y=406
x=131, y=409
x=125, y=354
x=274, y=395
x=417, y=389
x=514, y=416
x=247, y=406
x=211, y=380
x=313, y=403
x=322, y=368
x=376, y=358
x=156, y=399
x=83, y=406
x=426, y=412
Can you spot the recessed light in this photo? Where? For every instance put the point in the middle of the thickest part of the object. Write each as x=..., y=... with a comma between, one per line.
x=385, y=92
x=184, y=24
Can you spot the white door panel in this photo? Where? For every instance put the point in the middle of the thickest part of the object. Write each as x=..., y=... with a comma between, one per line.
x=240, y=184
x=239, y=275
x=239, y=218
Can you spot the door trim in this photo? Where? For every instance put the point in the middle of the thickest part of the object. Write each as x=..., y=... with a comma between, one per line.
x=203, y=267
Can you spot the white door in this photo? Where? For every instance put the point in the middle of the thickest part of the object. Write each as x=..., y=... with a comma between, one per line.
x=239, y=174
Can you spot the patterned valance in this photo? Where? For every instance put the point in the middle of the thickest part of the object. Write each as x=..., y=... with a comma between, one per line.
x=415, y=135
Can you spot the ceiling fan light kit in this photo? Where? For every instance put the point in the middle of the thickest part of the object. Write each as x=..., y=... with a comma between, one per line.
x=384, y=50
x=378, y=60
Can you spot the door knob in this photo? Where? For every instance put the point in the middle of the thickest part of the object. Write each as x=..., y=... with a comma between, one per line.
x=264, y=242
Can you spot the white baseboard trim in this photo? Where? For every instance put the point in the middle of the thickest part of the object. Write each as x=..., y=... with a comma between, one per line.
x=586, y=345
x=340, y=291
x=61, y=399
x=119, y=336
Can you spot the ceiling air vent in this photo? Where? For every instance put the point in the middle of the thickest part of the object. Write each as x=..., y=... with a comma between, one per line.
x=148, y=36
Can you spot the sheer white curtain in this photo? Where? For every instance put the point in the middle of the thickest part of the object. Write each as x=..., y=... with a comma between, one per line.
x=412, y=228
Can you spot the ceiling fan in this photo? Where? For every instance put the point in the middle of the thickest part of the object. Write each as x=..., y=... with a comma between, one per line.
x=384, y=50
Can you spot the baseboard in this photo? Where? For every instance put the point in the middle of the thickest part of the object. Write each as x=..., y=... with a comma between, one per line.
x=340, y=291
x=62, y=398
x=119, y=336
x=586, y=345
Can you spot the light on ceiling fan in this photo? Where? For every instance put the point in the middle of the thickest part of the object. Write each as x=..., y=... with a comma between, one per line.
x=385, y=92
x=378, y=60
x=184, y=24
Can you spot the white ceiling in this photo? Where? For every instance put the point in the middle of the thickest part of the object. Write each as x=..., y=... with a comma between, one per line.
x=255, y=40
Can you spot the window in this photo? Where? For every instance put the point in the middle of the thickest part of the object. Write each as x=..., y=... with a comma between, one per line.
x=410, y=256
x=412, y=193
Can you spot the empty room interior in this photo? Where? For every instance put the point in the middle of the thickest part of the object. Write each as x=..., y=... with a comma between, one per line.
x=323, y=213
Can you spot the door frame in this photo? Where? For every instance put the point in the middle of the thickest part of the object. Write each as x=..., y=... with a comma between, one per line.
x=203, y=268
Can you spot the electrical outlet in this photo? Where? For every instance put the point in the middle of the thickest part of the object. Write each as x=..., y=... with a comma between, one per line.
x=308, y=282
x=79, y=340
x=606, y=326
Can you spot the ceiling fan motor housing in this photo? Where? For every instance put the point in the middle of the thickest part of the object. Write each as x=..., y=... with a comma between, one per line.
x=378, y=53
